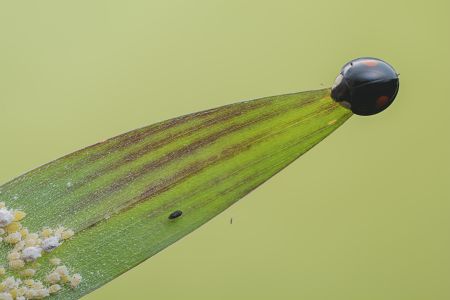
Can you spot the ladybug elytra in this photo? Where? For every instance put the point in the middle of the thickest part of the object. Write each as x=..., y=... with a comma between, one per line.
x=366, y=85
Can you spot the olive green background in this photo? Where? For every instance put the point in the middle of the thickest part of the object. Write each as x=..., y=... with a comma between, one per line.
x=364, y=215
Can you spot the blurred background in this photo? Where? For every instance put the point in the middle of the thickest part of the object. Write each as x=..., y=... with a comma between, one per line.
x=364, y=215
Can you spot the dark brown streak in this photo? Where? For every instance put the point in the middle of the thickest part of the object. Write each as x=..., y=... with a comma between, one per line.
x=122, y=182
x=197, y=167
x=141, y=134
x=134, y=136
x=233, y=111
x=150, y=147
x=152, y=129
x=123, y=140
x=161, y=143
x=207, y=185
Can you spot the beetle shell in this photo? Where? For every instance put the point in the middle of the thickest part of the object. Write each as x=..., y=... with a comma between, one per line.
x=366, y=85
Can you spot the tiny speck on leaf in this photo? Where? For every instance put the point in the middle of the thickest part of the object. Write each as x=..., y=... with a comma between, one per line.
x=175, y=214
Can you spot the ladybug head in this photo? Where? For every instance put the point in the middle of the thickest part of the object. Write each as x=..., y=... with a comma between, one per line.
x=366, y=85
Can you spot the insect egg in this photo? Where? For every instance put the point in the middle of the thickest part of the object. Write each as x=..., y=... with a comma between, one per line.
x=31, y=253
x=6, y=217
x=50, y=243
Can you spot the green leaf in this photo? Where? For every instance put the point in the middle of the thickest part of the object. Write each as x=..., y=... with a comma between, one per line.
x=117, y=195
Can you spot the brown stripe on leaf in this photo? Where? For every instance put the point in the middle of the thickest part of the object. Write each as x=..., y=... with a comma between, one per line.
x=164, y=141
x=97, y=195
x=207, y=185
x=133, y=137
x=197, y=167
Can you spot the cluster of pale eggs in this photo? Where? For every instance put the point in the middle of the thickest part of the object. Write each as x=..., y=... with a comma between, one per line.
x=26, y=249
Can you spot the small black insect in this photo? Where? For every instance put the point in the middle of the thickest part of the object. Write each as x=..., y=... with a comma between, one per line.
x=175, y=214
x=366, y=85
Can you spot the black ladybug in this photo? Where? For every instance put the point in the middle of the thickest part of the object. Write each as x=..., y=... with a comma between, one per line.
x=366, y=85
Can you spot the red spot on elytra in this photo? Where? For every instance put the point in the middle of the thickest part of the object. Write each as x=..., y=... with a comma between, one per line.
x=370, y=62
x=382, y=101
